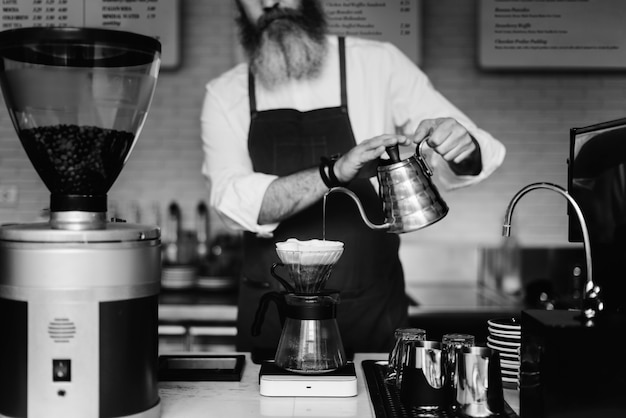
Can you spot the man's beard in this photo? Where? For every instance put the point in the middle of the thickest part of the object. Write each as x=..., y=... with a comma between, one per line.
x=285, y=44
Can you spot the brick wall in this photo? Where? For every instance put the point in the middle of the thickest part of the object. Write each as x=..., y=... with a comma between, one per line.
x=531, y=113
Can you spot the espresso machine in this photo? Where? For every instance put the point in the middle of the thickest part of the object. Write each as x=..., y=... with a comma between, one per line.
x=78, y=293
x=310, y=359
x=567, y=369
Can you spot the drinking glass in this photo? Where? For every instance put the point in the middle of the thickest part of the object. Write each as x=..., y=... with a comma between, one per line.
x=394, y=365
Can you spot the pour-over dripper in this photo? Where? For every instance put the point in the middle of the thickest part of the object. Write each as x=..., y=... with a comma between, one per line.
x=78, y=98
x=309, y=263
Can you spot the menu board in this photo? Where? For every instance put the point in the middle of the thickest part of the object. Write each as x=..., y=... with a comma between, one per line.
x=394, y=21
x=156, y=18
x=552, y=34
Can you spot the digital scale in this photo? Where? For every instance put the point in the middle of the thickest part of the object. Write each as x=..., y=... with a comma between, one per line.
x=275, y=381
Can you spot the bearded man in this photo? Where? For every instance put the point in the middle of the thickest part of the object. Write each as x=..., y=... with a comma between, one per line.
x=304, y=95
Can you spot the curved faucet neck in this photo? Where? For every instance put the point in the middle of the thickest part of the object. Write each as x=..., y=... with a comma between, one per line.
x=592, y=302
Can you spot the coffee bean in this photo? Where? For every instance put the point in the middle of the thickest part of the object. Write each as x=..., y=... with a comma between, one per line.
x=72, y=159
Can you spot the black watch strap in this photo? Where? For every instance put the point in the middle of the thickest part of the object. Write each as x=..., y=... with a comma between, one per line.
x=327, y=172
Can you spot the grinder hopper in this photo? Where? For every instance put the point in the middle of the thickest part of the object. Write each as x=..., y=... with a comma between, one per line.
x=78, y=99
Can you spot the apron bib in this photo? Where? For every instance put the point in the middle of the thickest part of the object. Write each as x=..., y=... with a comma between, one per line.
x=368, y=275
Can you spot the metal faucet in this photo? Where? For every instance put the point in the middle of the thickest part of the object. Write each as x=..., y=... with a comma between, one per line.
x=592, y=304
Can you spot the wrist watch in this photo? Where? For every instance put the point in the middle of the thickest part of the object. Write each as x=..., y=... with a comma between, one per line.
x=327, y=172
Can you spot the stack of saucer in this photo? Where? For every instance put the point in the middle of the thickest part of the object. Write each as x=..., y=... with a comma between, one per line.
x=505, y=336
x=178, y=276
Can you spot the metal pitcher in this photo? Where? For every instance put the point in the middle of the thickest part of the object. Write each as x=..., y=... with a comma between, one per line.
x=410, y=199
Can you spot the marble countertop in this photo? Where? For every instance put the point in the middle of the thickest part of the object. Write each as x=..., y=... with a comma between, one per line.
x=242, y=399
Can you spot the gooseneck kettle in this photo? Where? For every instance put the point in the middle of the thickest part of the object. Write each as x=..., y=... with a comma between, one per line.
x=410, y=200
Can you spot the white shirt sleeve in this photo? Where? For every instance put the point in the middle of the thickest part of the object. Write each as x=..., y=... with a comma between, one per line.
x=236, y=191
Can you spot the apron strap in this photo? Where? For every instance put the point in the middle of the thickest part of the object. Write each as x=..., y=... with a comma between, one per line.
x=342, y=74
x=251, y=95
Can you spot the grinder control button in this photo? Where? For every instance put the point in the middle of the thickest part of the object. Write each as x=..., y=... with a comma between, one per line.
x=61, y=370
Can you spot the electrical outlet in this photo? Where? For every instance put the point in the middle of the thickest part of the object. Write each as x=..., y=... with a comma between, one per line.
x=8, y=195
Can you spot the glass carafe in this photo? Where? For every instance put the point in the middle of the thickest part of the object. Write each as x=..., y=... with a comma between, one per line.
x=310, y=342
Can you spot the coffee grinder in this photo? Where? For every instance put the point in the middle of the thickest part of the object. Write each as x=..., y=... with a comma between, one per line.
x=310, y=358
x=78, y=294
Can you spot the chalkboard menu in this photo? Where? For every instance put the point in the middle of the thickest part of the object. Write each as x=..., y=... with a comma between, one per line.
x=157, y=18
x=552, y=34
x=395, y=21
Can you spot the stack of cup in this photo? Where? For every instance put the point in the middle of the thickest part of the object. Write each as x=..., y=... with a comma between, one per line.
x=505, y=336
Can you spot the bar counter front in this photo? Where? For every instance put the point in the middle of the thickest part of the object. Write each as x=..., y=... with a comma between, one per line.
x=242, y=399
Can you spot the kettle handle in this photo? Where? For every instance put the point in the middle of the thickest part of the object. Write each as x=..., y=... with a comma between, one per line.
x=421, y=160
x=359, y=205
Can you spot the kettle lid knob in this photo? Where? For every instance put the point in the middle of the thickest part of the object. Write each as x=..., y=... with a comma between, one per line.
x=394, y=153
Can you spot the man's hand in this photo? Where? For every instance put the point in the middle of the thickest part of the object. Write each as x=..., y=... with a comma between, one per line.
x=362, y=160
x=452, y=141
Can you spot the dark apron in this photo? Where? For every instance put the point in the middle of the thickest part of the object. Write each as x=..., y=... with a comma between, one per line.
x=368, y=275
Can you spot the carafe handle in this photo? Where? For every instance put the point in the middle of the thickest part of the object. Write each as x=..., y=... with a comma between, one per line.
x=264, y=303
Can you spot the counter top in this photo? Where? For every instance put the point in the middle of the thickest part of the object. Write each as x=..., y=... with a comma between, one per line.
x=242, y=399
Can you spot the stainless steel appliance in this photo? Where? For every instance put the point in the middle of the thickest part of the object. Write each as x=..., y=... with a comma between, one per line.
x=596, y=178
x=78, y=294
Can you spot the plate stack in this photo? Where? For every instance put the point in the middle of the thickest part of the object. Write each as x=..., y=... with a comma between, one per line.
x=505, y=336
x=178, y=277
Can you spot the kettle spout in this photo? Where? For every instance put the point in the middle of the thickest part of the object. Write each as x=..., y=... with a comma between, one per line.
x=359, y=205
